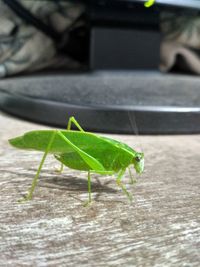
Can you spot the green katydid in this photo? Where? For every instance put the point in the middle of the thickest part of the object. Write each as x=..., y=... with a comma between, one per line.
x=80, y=150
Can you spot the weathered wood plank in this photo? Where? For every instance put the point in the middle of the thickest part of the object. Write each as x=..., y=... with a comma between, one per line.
x=160, y=228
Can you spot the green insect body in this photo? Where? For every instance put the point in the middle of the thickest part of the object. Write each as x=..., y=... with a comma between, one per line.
x=82, y=151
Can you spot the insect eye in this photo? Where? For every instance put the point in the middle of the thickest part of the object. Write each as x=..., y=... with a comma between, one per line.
x=137, y=159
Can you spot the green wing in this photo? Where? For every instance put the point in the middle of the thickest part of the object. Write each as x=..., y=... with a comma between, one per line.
x=39, y=140
x=93, y=163
x=112, y=154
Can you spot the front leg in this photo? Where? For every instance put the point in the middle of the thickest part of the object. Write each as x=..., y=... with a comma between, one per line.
x=132, y=179
x=119, y=183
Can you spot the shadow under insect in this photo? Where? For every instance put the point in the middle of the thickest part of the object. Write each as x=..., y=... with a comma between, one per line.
x=72, y=183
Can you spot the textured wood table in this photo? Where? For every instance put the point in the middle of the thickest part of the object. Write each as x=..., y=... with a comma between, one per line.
x=161, y=227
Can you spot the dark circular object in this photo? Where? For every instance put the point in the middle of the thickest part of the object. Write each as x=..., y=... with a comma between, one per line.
x=110, y=101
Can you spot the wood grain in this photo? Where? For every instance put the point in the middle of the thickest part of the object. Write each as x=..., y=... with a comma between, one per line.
x=160, y=228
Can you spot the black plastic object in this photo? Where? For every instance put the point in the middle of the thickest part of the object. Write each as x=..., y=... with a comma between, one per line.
x=126, y=35
x=131, y=13
x=119, y=48
x=108, y=101
x=107, y=9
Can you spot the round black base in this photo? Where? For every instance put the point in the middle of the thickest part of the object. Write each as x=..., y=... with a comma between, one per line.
x=107, y=101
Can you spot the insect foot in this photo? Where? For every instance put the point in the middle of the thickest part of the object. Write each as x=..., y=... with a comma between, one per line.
x=87, y=203
x=119, y=183
x=133, y=181
x=59, y=170
x=24, y=199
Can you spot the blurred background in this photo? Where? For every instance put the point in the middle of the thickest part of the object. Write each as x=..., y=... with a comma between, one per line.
x=115, y=65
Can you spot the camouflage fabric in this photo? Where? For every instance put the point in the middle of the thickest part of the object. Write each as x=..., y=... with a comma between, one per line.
x=25, y=48
x=180, y=47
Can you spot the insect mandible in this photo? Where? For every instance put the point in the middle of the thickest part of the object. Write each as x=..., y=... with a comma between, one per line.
x=84, y=151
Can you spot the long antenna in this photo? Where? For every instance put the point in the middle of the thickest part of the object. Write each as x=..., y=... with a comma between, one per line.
x=134, y=127
x=133, y=123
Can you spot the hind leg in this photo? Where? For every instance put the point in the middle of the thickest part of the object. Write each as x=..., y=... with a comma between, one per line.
x=74, y=121
x=89, y=191
x=29, y=195
x=69, y=125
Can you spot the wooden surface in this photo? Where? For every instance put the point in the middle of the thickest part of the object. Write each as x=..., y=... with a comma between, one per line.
x=160, y=228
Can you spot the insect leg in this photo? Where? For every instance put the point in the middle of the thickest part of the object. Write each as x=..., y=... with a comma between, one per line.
x=93, y=163
x=72, y=119
x=89, y=191
x=35, y=179
x=89, y=188
x=119, y=183
x=132, y=179
x=61, y=168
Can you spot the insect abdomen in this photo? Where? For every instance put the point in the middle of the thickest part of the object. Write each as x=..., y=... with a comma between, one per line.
x=73, y=161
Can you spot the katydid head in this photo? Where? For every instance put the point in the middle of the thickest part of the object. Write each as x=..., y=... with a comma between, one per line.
x=138, y=162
